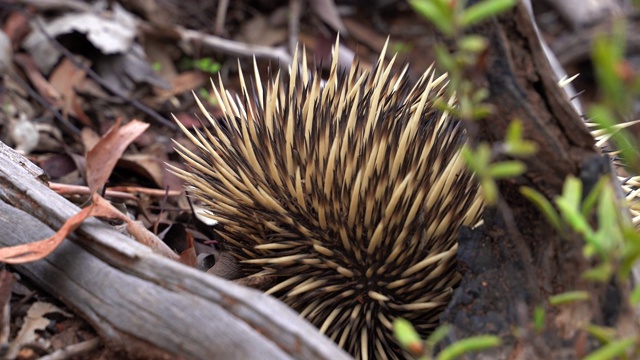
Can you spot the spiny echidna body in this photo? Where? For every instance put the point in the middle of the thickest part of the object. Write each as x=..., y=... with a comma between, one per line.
x=349, y=192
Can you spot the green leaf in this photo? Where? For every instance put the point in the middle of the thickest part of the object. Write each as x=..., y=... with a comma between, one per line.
x=635, y=296
x=612, y=350
x=408, y=336
x=572, y=191
x=444, y=58
x=601, y=273
x=588, y=251
x=441, y=17
x=592, y=198
x=473, y=43
x=607, y=55
x=472, y=344
x=481, y=111
x=489, y=190
x=608, y=235
x=438, y=335
x=484, y=10
x=207, y=65
x=574, y=218
x=522, y=148
x=465, y=107
x=515, y=145
x=568, y=297
x=483, y=152
x=469, y=158
x=569, y=206
x=514, y=132
x=477, y=160
x=631, y=251
x=539, y=318
x=603, y=334
x=506, y=169
x=543, y=205
x=480, y=95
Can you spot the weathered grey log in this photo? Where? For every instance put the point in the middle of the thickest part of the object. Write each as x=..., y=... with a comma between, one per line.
x=140, y=301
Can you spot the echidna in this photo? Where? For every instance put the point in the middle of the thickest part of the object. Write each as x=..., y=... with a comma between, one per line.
x=349, y=192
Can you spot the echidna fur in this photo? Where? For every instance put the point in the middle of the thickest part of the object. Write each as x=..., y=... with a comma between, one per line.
x=351, y=193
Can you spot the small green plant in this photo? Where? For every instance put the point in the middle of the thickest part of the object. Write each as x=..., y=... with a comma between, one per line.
x=539, y=318
x=451, y=18
x=481, y=160
x=611, y=348
x=611, y=240
x=411, y=342
x=569, y=297
x=207, y=65
x=205, y=94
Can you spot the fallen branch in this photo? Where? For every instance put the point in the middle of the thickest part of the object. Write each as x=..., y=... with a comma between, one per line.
x=138, y=301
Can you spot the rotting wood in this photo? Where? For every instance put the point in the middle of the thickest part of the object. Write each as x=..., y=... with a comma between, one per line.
x=137, y=300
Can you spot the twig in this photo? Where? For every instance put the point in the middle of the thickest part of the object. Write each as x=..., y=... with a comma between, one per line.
x=73, y=350
x=122, y=192
x=223, y=6
x=234, y=47
x=295, y=7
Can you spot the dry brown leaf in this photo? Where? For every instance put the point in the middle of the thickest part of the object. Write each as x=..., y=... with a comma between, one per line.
x=24, y=253
x=89, y=138
x=135, y=228
x=102, y=158
x=180, y=84
x=188, y=256
x=100, y=207
x=66, y=78
x=48, y=92
x=55, y=165
x=149, y=165
x=16, y=25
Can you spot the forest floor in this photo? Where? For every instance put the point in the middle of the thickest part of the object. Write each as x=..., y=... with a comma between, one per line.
x=72, y=69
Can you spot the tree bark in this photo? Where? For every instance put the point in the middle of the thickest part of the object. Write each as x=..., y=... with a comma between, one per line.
x=516, y=260
x=138, y=301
